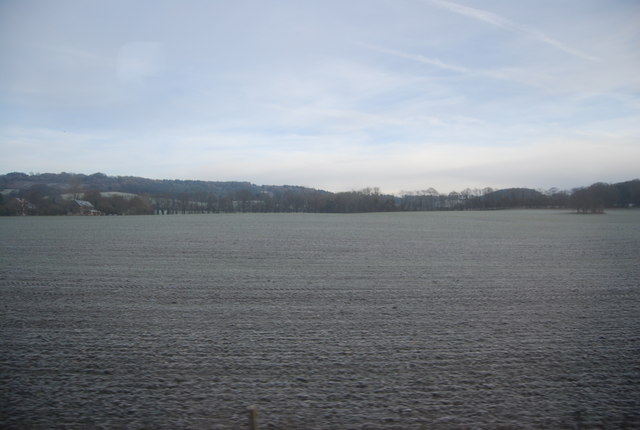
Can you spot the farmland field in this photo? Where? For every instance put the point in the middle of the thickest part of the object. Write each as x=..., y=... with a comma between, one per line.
x=512, y=319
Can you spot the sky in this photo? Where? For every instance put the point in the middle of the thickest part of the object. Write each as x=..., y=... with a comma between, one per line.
x=332, y=94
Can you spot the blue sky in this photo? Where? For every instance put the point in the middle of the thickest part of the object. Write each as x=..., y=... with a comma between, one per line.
x=339, y=95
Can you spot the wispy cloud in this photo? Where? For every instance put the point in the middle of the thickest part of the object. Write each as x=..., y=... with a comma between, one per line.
x=520, y=76
x=499, y=21
x=421, y=59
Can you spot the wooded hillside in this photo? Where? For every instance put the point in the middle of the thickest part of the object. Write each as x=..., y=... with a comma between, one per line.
x=57, y=193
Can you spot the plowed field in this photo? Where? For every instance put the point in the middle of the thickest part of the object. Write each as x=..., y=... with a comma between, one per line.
x=511, y=319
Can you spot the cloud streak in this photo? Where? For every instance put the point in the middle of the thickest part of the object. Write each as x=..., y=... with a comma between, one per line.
x=521, y=76
x=421, y=59
x=499, y=21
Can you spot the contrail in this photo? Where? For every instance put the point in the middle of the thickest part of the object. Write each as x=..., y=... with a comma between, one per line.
x=421, y=59
x=498, y=21
x=503, y=76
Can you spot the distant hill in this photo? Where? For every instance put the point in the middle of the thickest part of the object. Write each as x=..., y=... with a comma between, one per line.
x=54, y=194
x=66, y=182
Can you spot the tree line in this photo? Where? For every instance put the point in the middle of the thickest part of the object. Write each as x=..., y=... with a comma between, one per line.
x=58, y=194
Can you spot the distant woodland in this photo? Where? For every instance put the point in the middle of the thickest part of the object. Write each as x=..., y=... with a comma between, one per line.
x=99, y=194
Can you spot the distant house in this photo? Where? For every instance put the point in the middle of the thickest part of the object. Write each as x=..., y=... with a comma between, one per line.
x=83, y=207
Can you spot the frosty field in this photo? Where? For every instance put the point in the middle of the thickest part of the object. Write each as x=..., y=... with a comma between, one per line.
x=507, y=319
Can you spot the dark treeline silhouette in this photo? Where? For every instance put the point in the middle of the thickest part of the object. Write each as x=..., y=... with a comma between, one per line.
x=68, y=193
